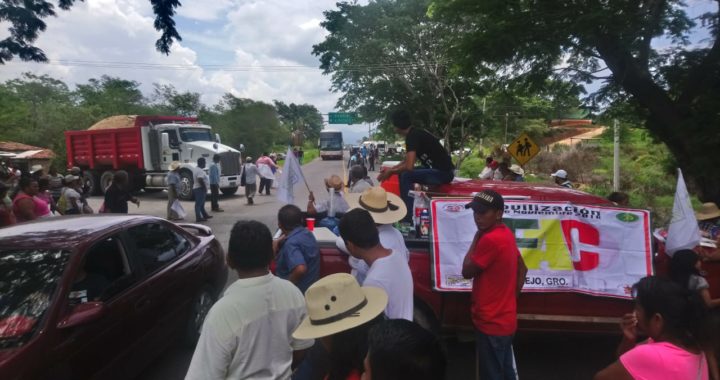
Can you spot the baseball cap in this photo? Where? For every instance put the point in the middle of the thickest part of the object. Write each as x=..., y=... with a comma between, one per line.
x=486, y=200
x=560, y=174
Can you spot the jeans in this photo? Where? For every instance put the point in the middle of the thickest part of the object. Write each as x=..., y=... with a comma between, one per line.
x=214, y=192
x=200, y=195
x=423, y=177
x=494, y=356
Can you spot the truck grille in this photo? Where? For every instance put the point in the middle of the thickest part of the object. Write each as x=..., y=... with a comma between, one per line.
x=230, y=163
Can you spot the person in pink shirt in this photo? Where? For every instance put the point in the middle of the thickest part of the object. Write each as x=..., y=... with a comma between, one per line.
x=674, y=320
x=266, y=169
x=26, y=204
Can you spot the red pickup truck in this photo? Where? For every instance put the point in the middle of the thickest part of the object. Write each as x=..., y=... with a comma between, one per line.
x=566, y=311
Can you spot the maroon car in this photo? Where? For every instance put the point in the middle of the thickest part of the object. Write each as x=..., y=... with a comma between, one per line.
x=100, y=297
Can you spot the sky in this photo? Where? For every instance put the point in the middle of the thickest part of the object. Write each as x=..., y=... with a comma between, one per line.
x=257, y=49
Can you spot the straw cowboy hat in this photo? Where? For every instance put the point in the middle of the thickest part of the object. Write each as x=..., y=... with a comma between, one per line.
x=384, y=207
x=516, y=169
x=174, y=165
x=337, y=303
x=708, y=210
x=335, y=182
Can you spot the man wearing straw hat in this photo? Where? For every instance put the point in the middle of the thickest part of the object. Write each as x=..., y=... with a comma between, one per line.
x=385, y=209
x=340, y=314
x=248, y=332
x=709, y=222
x=388, y=269
x=335, y=204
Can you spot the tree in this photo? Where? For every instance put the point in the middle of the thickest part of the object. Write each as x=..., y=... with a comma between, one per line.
x=170, y=101
x=676, y=88
x=388, y=55
x=36, y=110
x=26, y=23
x=252, y=123
x=110, y=96
x=300, y=117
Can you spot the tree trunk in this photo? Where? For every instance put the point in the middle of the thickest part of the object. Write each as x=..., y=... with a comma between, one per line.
x=695, y=147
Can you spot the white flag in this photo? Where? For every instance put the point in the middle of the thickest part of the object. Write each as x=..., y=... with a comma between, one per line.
x=291, y=174
x=683, y=232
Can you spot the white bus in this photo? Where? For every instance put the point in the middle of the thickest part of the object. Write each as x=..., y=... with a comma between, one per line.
x=331, y=145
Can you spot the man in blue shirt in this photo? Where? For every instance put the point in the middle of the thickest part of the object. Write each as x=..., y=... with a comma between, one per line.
x=215, y=184
x=297, y=252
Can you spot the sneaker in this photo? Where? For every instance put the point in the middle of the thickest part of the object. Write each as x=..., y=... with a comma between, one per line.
x=218, y=210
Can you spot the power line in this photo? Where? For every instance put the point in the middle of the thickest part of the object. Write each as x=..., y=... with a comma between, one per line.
x=232, y=68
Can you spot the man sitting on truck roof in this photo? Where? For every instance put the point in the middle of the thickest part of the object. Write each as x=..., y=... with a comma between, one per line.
x=494, y=264
x=421, y=145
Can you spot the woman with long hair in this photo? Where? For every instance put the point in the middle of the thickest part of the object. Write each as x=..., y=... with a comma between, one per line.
x=675, y=322
x=118, y=194
x=685, y=267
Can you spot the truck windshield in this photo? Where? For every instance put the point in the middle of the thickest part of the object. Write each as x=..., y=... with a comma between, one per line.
x=195, y=134
x=27, y=281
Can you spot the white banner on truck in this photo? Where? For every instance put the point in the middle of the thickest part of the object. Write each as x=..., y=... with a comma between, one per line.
x=594, y=250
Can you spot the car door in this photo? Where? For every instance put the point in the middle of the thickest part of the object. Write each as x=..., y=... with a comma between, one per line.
x=170, y=278
x=94, y=349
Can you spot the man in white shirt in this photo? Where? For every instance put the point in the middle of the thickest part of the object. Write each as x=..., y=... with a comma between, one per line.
x=385, y=209
x=200, y=186
x=389, y=270
x=248, y=333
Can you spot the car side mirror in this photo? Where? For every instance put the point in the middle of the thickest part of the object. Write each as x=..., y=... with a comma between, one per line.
x=217, y=138
x=241, y=147
x=82, y=314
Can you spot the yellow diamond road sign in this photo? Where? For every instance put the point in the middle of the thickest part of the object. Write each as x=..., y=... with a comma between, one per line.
x=523, y=149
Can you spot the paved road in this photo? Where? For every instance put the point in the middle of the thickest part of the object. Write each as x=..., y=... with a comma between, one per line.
x=539, y=356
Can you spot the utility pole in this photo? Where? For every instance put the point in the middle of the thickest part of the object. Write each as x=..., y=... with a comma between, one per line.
x=616, y=156
x=506, y=125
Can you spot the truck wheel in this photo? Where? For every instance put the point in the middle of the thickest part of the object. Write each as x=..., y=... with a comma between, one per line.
x=423, y=316
x=186, y=184
x=90, y=181
x=105, y=180
x=229, y=190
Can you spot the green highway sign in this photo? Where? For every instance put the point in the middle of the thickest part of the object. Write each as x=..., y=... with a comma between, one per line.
x=341, y=117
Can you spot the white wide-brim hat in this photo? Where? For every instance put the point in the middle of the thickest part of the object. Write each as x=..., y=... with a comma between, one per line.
x=516, y=169
x=336, y=303
x=384, y=207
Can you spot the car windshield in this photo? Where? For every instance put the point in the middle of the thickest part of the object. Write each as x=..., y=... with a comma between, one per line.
x=27, y=281
x=195, y=134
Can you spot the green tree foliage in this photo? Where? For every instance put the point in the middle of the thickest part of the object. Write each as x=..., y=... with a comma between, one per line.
x=245, y=121
x=676, y=89
x=169, y=101
x=26, y=23
x=388, y=55
x=109, y=96
x=36, y=110
x=300, y=117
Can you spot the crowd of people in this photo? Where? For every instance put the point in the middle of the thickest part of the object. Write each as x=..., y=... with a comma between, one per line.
x=33, y=194
x=294, y=324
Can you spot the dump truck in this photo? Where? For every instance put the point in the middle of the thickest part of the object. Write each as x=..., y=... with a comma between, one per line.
x=145, y=146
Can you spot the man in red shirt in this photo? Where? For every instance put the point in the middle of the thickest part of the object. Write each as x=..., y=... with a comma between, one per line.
x=498, y=272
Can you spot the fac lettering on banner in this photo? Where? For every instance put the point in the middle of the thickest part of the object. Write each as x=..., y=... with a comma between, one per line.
x=566, y=247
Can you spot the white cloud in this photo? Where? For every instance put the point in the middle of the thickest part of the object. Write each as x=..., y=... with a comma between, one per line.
x=250, y=40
